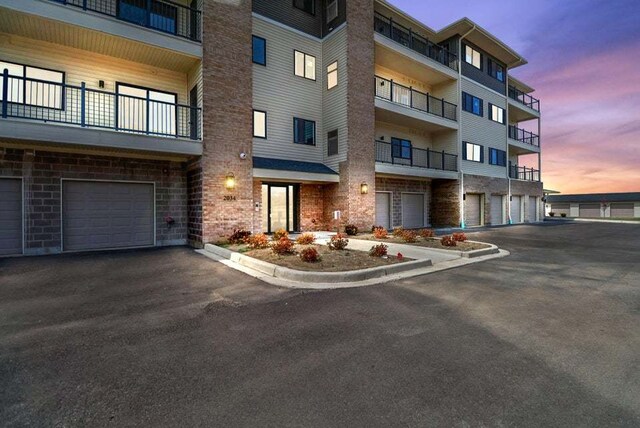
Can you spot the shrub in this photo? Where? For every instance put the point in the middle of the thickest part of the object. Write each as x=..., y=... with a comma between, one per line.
x=378, y=250
x=400, y=256
x=459, y=237
x=374, y=227
x=427, y=233
x=338, y=242
x=409, y=236
x=448, y=241
x=257, y=241
x=397, y=231
x=310, y=255
x=238, y=236
x=563, y=214
x=282, y=246
x=380, y=233
x=551, y=214
x=306, y=239
x=351, y=229
x=280, y=233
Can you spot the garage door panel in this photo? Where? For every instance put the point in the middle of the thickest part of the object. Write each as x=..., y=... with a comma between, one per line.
x=10, y=216
x=413, y=210
x=516, y=209
x=533, y=208
x=472, y=206
x=561, y=208
x=623, y=210
x=383, y=215
x=497, y=209
x=589, y=210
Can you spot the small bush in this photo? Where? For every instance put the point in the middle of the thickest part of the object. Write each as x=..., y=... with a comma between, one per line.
x=397, y=231
x=378, y=250
x=427, y=233
x=338, y=242
x=380, y=233
x=448, y=241
x=282, y=246
x=280, y=233
x=374, y=227
x=563, y=215
x=257, y=241
x=310, y=255
x=306, y=239
x=238, y=236
x=351, y=229
x=459, y=237
x=551, y=214
x=409, y=236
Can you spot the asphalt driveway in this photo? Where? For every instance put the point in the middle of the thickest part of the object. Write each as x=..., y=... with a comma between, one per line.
x=549, y=336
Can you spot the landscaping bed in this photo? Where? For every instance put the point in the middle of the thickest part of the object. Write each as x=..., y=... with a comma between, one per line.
x=424, y=242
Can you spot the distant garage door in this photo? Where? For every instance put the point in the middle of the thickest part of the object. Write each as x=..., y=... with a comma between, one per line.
x=589, y=210
x=559, y=208
x=472, y=205
x=516, y=209
x=10, y=216
x=497, y=210
x=413, y=210
x=99, y=215
x=622, y=210
x=383, y=206
x=533, y=209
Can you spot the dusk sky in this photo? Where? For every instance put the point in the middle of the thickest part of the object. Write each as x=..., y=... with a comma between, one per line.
x=584, y=62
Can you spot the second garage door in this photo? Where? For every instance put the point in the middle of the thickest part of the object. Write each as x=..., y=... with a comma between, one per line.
x=413, y=210
x=383, y=208
x=560, y=208
x=533, y=209
x=472, y=206
x=10, y=216
x=589, y=210
x=99, y=215
x=622, y=210
x=516, y=209
x=497, y=209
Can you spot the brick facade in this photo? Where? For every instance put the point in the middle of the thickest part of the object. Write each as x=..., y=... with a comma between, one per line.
x=312, y=208
x=194, y=202
x=486, y=186
x=396, y=187
x=445, y=203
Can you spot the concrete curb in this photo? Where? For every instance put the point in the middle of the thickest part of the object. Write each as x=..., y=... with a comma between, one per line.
x=589, y=220
x=466, y=254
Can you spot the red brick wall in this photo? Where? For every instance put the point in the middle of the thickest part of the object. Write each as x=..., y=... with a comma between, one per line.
x=312, y=207
x=194, y=201
x=445, y=203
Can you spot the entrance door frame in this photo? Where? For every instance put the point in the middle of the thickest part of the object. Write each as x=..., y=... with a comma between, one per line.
x=291, y=223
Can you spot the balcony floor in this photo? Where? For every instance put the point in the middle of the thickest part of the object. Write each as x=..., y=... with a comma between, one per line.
x=398, y=114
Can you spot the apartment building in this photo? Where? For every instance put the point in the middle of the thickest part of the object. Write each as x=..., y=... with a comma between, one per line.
x=133, y=123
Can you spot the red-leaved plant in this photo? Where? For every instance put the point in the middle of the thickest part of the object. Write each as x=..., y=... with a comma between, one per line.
x=310, y=255
x=427, y=233
x=306, y=239
x=257, y=241
x=378, y=250
x=380, y=233
x=338, y=242
x=459, y=237
x=282, y=246
x=448, y=241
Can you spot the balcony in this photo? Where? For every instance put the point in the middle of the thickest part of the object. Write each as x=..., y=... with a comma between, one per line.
x=523, y=136
x=415, y=157
x=406, y=37
x=523, y=173
x=408, y=97
x=524, y=98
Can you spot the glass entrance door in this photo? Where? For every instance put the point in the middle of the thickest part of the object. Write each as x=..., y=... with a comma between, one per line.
x=279, y=207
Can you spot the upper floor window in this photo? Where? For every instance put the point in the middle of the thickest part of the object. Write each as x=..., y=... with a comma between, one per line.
x=146, y=110
x=332, y=10
x=259, y=50
x=162, y=16
x=473, y=57
x=332, y=75
x=304, y=131
x=33, y=86
x=472, y=104
x=496, y=113
x=400, y=148
x=332, y=143
x=496, y=70
x=472, y=152
x=497, y=157
x=259, y=124
x=308, y=6
x=305, y=65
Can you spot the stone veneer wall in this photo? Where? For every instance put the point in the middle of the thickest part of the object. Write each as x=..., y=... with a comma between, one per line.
x=397, y=186
x=445, y=203
x=487, y=186
x=526, y=189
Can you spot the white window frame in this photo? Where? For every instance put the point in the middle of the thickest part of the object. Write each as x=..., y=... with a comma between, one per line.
x=473, y=57
x=259, y=115
x=496, y=114
x=332, y=75
x=37, y=92
x=474, y=155
x=304, y=65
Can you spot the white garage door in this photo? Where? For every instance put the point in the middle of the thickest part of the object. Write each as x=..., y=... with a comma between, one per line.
x=589, y=210
x=10, y=216
x=472, y=206
x=412, y=210
x=383, y=208
x=497, y=209
x=516, y=209
x=98, y=215
x=533, y=209
x=560, y=208
x=622, y=210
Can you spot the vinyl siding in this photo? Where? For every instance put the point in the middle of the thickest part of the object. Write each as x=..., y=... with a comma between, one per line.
x=284, y=12
x=421, y=140
x=402, y=79
x=283, y=95
x=482, y=76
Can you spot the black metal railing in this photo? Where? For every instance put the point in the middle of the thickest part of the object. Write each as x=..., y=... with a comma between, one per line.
x=161, y=15
x=523, y=173
x=413, y=156
x=523, y=136
x=396, y=93
x=406, y=37
x=524, y=98
x=34, y=99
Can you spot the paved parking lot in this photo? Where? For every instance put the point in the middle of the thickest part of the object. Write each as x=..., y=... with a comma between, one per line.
x=549, y=336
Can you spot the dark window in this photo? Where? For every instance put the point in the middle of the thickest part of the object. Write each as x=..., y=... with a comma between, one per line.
x=304, y=131
x=259, y=50
x=497, y=157
x=472, y=152
x=332, y=143
x=472, y=104
x=400, y=148
x=332, y=10
x=160, y=15
x=308, y=6
x=496, y=71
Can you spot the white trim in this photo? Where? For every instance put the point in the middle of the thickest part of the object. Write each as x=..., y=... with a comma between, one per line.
x=22, y=209
x=390, y=206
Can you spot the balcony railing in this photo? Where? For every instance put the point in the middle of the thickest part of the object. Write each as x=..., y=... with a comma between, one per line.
x=162, y=15
x=406, y=37
x=413, y=156
x=45, y=101
x=524, y=98
x=523, y=136
x=523, y=173
x=409, y=97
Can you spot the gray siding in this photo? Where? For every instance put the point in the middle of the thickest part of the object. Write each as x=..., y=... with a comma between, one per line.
x=284, y=12
x=482, y=76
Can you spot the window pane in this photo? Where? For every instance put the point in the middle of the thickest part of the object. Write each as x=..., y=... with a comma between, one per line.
x=309, y=132
x=310, y=67
x=476, y=153
x=259, y=50
x=299, y=64
x=476, y=105
x=332, y=75
x=259, y=124
x=15, y=88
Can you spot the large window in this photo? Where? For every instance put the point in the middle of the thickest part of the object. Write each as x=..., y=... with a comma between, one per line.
x=332, y=75
x=260, y=124
x=33, y=86
x=496, y=113
x=308, y=6
x=497, y=157
x=496, y=70
x=259, y=50
x=160, y=15
x=472, y=104
x=146, y=110
x=305, y=65
x=304, y=131
x=473, y=57
x=332, y=143
x=472, y=152
x=400, y=148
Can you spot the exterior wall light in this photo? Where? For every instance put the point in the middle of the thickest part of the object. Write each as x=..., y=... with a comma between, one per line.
x=230, y=181
x=364, y=188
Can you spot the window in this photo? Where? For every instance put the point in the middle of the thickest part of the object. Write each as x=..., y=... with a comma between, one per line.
x=496, y=113
x=145, y=110
x=332, y=75
x=473, y=57
x=472, y=104
x=332, y=10
x=332, y=143
x=304, y=131
x=472, y=152
x=497, y=157
x=305, y=65
x=308, y=6
x=162, y=16
x=496, y=71
x=259, y=124
x=400, y=148
x=259, y=50
x=33, y=86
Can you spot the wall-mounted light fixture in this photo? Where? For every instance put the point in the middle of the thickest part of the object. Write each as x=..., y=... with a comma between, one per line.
x=230, y=181
x=364, y=188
